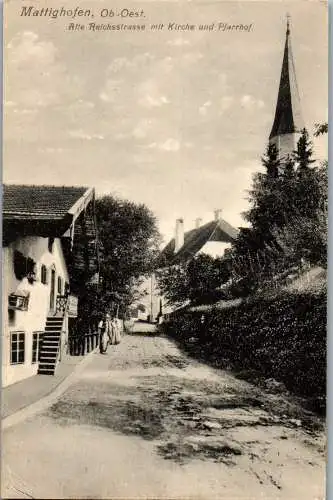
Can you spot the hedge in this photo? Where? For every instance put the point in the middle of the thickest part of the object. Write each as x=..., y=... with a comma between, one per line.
x=280, y=337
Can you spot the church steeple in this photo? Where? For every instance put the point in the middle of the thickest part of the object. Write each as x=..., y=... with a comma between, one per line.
x=288, y=121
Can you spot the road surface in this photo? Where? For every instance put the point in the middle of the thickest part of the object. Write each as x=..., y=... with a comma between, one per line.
x=145, y=421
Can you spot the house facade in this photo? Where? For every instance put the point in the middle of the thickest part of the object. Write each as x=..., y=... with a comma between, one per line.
x=49, y=255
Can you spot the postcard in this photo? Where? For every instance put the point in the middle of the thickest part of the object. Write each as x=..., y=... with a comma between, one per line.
x=164, y=249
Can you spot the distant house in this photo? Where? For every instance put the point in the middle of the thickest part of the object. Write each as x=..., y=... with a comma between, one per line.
x=49, y=257
x=212, y=238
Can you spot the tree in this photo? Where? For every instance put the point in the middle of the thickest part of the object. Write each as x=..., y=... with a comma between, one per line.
x=287, y=215
x=321, y=129
x=303, y=153
x=130, y=242
x=266, y=205
x=173, y=284
x=196, y=281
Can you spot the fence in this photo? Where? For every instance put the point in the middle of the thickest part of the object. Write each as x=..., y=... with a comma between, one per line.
x=80, y=345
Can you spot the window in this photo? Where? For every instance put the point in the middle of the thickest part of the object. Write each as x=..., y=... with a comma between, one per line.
x=50, y=244
x=17, y=348
x=59, y=285
x=43, y=277
x=24, y=266
x=37, y=340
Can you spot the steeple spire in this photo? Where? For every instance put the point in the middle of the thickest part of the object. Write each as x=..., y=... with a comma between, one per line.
x=288, y=121
x=288, y=24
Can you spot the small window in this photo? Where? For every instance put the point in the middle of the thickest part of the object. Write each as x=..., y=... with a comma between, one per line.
x=37, y=340
x=59, y=285
x=43, y=277
x=17, y=348
x=50, y=244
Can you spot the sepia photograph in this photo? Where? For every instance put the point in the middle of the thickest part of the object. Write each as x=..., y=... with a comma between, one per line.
x=164, y=249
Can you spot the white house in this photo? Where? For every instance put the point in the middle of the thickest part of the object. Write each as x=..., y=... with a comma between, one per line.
x=49, y=252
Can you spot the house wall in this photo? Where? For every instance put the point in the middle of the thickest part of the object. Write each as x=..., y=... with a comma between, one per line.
x=150, y=298
x=214, y=248
x=35, y=317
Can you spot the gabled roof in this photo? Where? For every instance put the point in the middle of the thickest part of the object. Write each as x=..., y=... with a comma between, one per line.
x=195, y=239
x=42, y=210
x=288, y=117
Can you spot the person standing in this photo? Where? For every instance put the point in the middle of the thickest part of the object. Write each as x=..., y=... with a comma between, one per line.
x=105, y=333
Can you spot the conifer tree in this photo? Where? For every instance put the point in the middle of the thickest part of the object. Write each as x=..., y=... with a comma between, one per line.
x=303, y=153
x=265, y=197
x=271, y=161
x=307, y=192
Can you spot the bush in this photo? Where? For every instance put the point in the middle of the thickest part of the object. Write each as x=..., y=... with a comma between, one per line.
x=282, y=337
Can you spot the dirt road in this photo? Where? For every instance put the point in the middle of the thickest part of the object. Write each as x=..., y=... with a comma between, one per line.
x=144, y=421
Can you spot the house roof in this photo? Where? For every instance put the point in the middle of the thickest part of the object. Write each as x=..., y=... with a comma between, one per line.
x=195, y=239
x=42, y=210
x=288, y=115
x=39, y=202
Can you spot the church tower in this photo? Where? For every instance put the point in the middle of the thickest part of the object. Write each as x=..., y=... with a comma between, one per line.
x=288, y=121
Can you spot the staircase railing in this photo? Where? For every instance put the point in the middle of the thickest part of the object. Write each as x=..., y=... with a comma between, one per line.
x=61, y=303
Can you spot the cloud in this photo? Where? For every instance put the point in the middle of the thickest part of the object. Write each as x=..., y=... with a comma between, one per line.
x=150, y=96
x=191, y=57
x=151, y=101
x=123, y=63
x=10, y=104
x=24, y=111
x=27, y=48
x=82, y=104
x=226, y=102
x=250, y=102
x=170, y=144
x=110, y=92
x=80, y=134
x=178, y=42
x=204, y=108
x=38, y=77
x=50, y=150
x=142, y=128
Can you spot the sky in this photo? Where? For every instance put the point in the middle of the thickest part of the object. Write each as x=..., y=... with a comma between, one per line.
x=177, y=120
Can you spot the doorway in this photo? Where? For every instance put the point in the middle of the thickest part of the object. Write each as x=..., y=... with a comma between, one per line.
x=52, y=290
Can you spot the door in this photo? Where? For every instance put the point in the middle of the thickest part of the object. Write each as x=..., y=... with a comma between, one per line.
x=52, y=290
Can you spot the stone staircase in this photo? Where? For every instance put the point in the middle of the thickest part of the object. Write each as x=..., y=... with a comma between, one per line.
x=51, y=345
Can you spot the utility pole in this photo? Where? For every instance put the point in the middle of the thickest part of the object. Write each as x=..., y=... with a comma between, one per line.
x=151, y=297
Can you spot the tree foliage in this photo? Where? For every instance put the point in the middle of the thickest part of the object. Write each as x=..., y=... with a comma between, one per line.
x=321, y=129
x=196, y=281
x=130, y=243
x=287, y=215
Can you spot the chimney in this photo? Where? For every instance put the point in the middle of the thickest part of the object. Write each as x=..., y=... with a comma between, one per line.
x=217, y=214
x=198, y=223
x=179, y=236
